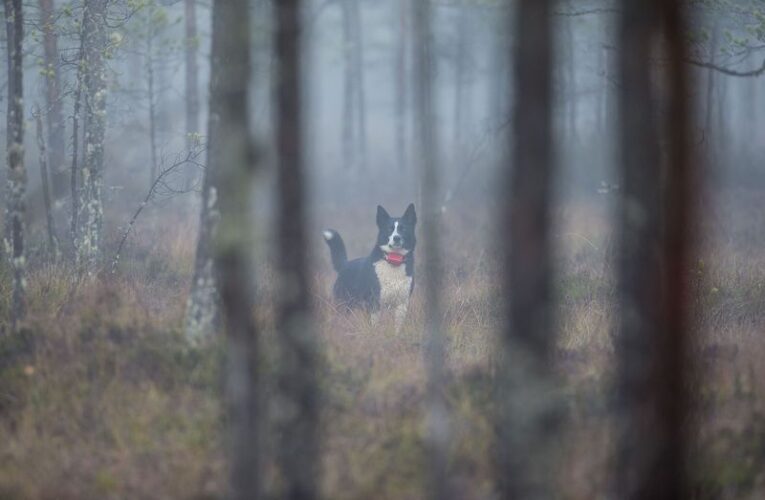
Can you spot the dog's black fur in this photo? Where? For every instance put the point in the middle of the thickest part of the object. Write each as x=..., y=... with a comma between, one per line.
x=358, y=283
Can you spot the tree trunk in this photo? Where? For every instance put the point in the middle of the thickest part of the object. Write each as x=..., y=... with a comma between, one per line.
x=91, y=204
x=653, y=271
x=53, y=248
x=17, y=175
x=297, y=454
x=459, y=84
x=358, y=77
x=349, y=90
x=74, y=228
x=527, y=410
x=152, y=101
x=192, y=86
x=230, y=168
x=401, y=87
x=571, y=91
x=437, y=415
x=54, y=103
x=709, y=107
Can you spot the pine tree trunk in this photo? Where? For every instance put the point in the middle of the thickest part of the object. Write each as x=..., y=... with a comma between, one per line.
x=74, y=227
x=401, y=87
x=459, y=85
x=528, y=414
x=53, y=248
x=653, y=268
x=437, y=415
x=91, y=174
x=297, y=454
x=17, y=175
x=54, y=103
x=572, y=99
x=710, y=94
x=349, y=90
x=358, y=77
x=230, y=168
x=192, y=86
x=151, y=97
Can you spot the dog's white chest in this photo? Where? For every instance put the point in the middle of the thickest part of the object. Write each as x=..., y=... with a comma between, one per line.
x=394, y=283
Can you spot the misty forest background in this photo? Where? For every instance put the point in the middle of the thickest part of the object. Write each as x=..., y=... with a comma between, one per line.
x=166, y=326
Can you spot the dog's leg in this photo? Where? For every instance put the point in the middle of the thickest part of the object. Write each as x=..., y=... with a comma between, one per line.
x=400, y=315
x=374, y=318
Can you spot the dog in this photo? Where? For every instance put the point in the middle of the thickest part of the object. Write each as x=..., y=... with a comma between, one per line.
x=384, y=280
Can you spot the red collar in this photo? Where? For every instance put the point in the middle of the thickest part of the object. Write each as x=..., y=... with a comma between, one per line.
x=394, y=259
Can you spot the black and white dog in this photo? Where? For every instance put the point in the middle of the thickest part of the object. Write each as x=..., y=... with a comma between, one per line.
x=384, y=280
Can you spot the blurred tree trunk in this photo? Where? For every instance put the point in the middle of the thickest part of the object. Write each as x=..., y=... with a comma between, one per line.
x=354, y=109
x=230, y=165
x=460, y=65
x=91, y=174
x=358, y=76
x=53, y=248
x=192, y=85
x=350, y=128
x=402, y=49
x=17, y=174
x=527, y=409
x=655, y=220
x=349, y=93
x=437, y=416
x=151, y=97
x=54, y=104
x=297, y=453
x=709, y=106
x=572, y=111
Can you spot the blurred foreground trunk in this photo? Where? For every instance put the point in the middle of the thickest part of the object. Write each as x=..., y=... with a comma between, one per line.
x=437, y=415
x=17, y=174
x=91, y=172
x=653, y=272
x=53, y=103
x=230, y=168
x=297, y=451
x=527, y=409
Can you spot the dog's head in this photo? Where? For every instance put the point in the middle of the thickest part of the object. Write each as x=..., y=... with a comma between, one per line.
x=396, y=234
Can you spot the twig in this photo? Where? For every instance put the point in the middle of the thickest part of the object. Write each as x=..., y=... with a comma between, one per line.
x=189, y=158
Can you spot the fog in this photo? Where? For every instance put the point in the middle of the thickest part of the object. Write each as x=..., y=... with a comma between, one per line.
x=125, y=372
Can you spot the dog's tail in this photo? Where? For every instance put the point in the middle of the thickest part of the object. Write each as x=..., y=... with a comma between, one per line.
x=336, y=249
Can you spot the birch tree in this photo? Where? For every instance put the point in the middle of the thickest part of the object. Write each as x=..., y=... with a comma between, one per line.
x=94, y=44
x=17, y=175
x=297, y=453
x=202, y=309
x=527, y=409
x=230, y=167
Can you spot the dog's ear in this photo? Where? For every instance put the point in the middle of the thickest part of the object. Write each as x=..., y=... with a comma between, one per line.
x=382, y=217
x=410, y=215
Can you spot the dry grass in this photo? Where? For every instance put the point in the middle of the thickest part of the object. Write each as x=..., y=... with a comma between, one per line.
x=103, y=398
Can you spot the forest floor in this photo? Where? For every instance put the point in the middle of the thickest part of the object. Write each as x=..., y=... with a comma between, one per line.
x=102, y=397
